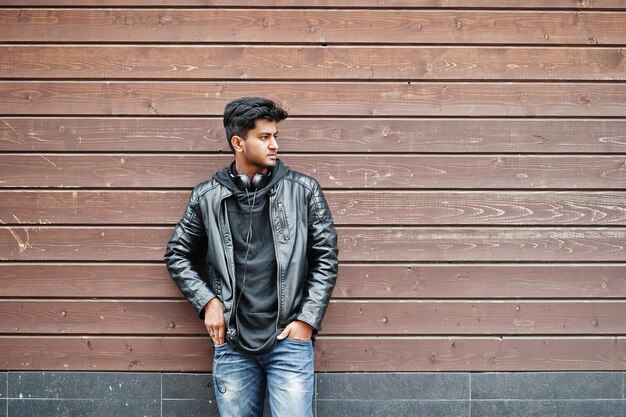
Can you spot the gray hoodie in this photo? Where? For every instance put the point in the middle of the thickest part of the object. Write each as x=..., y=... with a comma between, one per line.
x=256, y=310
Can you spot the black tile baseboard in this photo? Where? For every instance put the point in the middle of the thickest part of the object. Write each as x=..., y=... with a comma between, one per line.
x=444, y=394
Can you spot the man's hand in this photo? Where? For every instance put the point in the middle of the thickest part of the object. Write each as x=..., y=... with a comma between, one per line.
x=214, y=321
x=298, y=330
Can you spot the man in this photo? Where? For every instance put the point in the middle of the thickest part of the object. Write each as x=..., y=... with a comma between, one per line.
x=256, y=254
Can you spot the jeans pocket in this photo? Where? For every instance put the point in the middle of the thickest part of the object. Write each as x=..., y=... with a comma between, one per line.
x=298, y=341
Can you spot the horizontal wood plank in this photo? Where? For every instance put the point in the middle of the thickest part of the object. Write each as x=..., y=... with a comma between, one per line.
x=397, y=281
x=312, y=26
x=345, y=354
x=406, y=318
x=19, y=207
x=479, y=354
x=332, y=171
x=372, y=4
x=348, y=4
x=356, y=244
x=480, y=281
x=87, y=280
x=92, y=134
x=474, y=318
x=315, y=98
x=475, y=244
x=309, y=63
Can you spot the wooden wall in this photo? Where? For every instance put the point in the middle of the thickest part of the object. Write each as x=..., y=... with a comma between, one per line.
x=473, y=154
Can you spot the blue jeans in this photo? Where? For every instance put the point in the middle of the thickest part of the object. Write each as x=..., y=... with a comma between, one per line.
x=240, y=380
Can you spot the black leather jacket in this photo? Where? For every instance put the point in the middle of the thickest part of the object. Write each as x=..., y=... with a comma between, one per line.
x=200, y=257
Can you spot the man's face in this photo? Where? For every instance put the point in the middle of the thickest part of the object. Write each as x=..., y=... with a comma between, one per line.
x=260, y=148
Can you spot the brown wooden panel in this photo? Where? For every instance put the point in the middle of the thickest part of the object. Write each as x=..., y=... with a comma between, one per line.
x=309, y=63
x=317, y=135
x=373, y=4
x=407, y=318
x=316, y=98
x=348, y=207
x=312, y=26
x=473, y=317
x=480, y=281
x=67, y=353
x=332, y=171
x=486, y=244
x=409, y=281
x=100, y=317
x=514, y=4
x=355, y=244
x=134, y=280
x=45, y=243
x=469, y=354
x=74, y=353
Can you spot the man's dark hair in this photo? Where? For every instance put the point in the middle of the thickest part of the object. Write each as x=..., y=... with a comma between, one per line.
x=240, y=115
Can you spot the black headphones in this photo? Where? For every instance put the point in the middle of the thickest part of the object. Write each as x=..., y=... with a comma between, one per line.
x=243, y=181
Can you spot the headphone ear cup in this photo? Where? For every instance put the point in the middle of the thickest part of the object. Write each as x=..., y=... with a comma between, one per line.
x=243, y=182
x=259, y=181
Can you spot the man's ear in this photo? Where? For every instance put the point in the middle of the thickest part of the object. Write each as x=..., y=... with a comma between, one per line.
x=237, y=142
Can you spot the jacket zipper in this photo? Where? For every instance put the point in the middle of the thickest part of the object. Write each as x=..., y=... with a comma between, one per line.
x=272, y=192
x=229, y=262
x=283, y=221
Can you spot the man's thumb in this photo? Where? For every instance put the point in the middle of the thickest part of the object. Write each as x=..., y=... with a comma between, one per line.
x=282, y=335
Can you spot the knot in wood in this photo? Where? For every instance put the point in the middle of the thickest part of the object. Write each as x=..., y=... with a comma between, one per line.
x=164, y=20
x=584, y=99
x=127, y=21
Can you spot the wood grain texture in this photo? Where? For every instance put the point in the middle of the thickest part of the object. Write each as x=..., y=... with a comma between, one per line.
x=319, y=135
x=481, y=281
x=356, y=244
x=481, y=244
x=373, y=281
x=483, y=354
x=406, y=318
x=88, y=280
x=373, y=4
x=472, y=154
x=315, y=98
x=312, y=26
x=332, y=171
x=310, y=63
x=35, y=207
x=344, y=354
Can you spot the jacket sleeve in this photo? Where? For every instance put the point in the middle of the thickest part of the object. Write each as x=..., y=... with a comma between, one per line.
x=322, y=260
x=183, y=253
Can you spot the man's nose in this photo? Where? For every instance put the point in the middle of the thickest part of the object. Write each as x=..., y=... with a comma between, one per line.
x=273, y=144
